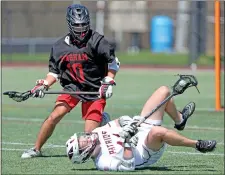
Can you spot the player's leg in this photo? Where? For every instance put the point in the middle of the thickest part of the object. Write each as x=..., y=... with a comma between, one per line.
x=92, y=113
x=156, y=98
x=64, y=104
x=159, y=135
x=150, y=148
x=180, y=118
x=47, y=128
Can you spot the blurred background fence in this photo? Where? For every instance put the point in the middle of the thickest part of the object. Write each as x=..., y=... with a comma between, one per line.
x=175, y=33
x=31, y=27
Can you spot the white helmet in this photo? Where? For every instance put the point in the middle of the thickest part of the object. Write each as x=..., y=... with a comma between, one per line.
x=80, y=153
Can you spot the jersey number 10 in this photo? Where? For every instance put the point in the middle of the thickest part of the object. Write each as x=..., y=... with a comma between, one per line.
x=76, y=72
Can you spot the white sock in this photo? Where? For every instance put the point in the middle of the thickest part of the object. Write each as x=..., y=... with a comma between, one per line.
x=179, y=122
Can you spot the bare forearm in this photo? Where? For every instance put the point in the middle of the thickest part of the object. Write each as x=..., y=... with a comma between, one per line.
x=128, y=153
x=111, y=73
x=50, y=79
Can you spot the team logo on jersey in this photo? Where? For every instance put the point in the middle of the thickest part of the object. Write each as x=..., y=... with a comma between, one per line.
x=74, y=57
x=108, y=142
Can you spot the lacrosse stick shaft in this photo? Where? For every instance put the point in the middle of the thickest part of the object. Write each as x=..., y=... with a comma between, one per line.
x=155, y=109
x=72, y=93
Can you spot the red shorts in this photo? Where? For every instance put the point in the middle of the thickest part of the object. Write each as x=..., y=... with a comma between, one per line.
x=91, y=110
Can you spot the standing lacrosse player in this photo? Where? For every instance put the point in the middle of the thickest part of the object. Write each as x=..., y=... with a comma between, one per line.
x=82, y=60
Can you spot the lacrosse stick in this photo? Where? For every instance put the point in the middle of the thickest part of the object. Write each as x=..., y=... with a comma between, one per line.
x=184, y=82
x=22, y=96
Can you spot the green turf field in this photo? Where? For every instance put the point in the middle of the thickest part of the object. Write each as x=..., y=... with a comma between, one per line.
x=21, y=122
x=142, y=58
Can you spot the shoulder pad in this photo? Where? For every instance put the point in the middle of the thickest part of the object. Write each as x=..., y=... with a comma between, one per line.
x=95, y=38
x=65, y=38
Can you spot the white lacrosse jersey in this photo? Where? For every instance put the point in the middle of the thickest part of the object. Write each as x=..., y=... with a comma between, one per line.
x=111, y=142
x=112, y=148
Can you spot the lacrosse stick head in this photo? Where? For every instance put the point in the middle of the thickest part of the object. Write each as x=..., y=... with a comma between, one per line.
x=18, y=96
x=184, y=82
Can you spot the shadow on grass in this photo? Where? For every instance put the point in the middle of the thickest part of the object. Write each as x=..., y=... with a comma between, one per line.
x=82, y=169
x=47, y=156
x=171, y=168
x=180, y=168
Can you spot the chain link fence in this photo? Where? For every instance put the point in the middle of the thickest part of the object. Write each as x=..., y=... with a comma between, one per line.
x=33, y=26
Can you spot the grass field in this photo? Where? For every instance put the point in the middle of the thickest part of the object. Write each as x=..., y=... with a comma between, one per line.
x=144, y=58
x=21, y=123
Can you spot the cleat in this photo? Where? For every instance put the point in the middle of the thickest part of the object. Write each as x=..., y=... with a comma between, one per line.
x=30, y=153
x=105, y=118
x=186, y=113
x=205, y=145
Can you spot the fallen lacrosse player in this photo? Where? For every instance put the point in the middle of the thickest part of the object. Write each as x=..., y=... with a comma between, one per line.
x=126, y=144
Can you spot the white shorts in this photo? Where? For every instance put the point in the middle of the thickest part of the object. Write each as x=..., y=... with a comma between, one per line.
x=143, y=155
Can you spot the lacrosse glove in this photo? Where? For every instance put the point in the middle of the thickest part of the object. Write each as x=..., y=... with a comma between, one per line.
x=129, y=130
x=134, y=141
x=105, y=90
x=124, y=120
x=38, y=90
x=131, y=142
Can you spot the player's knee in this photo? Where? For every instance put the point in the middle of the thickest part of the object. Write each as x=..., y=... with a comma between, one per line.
x=164, y=91
x=53, y=118
x=158, y=132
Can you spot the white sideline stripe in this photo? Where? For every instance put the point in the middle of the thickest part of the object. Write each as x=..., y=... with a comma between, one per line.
x=189, y=153
x=172, y=152
x=30, y=144
x=52, y=145
x=139, y=107
x=81, y=122
x=36, y=120
x=9, y=149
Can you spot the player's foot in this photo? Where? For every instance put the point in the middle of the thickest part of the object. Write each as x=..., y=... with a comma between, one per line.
x=105, y=118
x=31, y=153
x=205, y=145
x=186, y=113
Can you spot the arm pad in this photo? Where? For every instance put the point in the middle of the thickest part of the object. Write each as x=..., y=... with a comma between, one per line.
x=115, y=65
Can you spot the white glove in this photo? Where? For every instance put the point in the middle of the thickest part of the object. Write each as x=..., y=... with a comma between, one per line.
x=137, y=118
x=124, y=120
x=38, y=90
x=128, y=130
x=134, y=141
x=105, y=90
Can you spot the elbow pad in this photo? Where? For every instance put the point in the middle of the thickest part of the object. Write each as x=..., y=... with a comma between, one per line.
x=115, y=65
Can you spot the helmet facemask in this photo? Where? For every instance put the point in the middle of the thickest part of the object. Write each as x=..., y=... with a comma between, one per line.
x=78, y=21
x=81, y=146
x=79, y=31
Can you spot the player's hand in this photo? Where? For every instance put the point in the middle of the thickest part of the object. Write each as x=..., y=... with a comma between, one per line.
x=124, y=120
x=134, y=140
x=137, y=118
x=129, y=130
x=38, y=90
x=131, y=142
x=105, y=91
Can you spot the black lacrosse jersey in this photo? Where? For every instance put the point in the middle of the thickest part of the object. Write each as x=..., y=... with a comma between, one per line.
x=81, y=69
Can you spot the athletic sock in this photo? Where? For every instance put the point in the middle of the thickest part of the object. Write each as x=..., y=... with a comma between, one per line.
x=179, y=122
